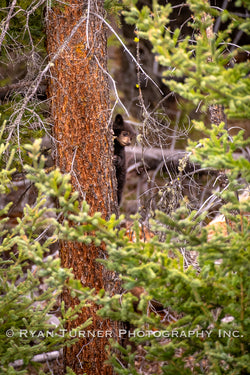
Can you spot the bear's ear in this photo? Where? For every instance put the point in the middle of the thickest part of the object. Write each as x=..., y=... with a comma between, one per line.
x=119, y=120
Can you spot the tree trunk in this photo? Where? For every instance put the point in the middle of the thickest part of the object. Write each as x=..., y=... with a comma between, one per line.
x=217, y=114
x=78, y=88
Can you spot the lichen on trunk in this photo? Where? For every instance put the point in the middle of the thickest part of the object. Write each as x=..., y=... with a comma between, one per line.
x=79, y=94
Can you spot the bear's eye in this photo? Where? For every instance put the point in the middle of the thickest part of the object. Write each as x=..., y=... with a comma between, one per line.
x=125, y=134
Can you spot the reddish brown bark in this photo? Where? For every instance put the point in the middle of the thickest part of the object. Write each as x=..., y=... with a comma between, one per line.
x=79, y=95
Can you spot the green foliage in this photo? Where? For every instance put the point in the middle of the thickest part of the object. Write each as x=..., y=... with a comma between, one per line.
x=25, y=135
x=26, y=26
x=113, y=6
x=201, y=61
x=6, y=172
x=218, y=150
x=23, y=55
x=212, y=304
x=32, y=280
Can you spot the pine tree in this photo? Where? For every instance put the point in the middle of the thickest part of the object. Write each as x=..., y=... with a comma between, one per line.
x=32, y=280
x=210, y=333
x=204, y=61
x=206, y=307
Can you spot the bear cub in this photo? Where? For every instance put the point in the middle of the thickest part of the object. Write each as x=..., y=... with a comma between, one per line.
x=124, y=134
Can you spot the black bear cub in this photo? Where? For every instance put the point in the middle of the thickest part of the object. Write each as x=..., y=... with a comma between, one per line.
x=124, y=134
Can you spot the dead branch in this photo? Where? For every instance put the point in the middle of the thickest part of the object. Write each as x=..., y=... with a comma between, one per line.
x=40, y=358
x=150, y=158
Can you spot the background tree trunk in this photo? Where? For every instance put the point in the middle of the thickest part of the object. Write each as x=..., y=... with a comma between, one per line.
x=79, y=94
x=217, y=114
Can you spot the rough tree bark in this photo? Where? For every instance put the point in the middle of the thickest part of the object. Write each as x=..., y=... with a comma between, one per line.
x=217, y=114
x=79, y=94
